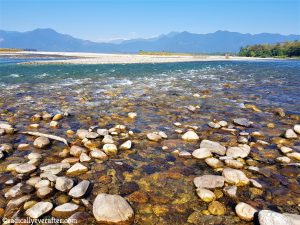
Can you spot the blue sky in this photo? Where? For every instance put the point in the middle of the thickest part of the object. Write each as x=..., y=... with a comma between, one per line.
x=103, y=20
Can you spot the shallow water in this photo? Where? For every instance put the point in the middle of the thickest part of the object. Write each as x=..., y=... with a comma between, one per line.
x=159, y=93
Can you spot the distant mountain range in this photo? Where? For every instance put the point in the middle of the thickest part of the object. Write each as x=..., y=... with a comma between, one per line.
x=218, y=42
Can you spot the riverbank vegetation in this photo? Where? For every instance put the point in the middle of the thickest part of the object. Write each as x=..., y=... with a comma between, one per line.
x=285, y=49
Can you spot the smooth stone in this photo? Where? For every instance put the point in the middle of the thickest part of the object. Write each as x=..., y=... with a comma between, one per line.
x=209, y=181
x=214, y=125
x=77, y=150
x=2, y=132
x=214, y=163
x=14, y=191
x=92, y=135
x=216, y=208
x=41, y=142
x=39, y=209
x=242, y=140
x=112, y=209
x=25, y=168
x=234, y=163
x=163, y=134
x=223, y=123
x=23, y=147
x=54, y=124
x=132, y=115
x=154, y=137
x=236, y=177
x=44, y=192
x=294, y=218
x=7, y=127
x=268, y=217
x=297, y=128
x=47, y=116
x=84, y=157
x=81, y=133
x=201, y=153
x=80, y=189
x=242, y=122
x=110, y=149
x=206, y=195
x=98, y=154
x=102, y=132
x=294, y=155
x=245, y=211
x=190, y=136
x=70, y=160
x=213, y=146
x=33, y=181
x=12, y=167
x=29, y=204
x=65, y=210
x=57, y=117
x=285, y=149
x=42, y=183
x=255, y=183
x=230, y=191
x=49, y=176
x=108, y=139
x=64, y=184
x=55, y=168
x=126, y=145
x=283, y=159
x=290, y=134
x=34, y=155
x=185, y=154
x=77, y=169
x=238, y=152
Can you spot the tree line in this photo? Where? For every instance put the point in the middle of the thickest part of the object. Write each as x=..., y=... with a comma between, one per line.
x=284, y=49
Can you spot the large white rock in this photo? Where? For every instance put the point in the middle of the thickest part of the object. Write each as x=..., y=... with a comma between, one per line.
x=98, y=154
x=238, y=152
x=55, y=168
x=209, y=181
x=41, y=142
x=80, y=189
x=205, y=194
x=268, y=217
x=25, y=168
x=213, y=146
x=77, y=169
x=154, y=137
x=110, y=149
x=14, y=191
x=190, y=136
x=245, y=211
x=77, y=150
x=236, y=177
x=64, y=184
x=112, y=209
x=126, y=145
x=65, y=210
x=297, y=128
x=39, y=209
x=290, y=134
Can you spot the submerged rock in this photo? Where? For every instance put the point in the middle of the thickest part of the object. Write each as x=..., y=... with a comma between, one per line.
x=290, y=134
x=39, y=209
x=216, y=208
x=25, y=168
x=242, y=122
x=64, y=184
x=230, y=191
x=245, y=211
x=214, y=163
x=77, y=150
x=190, y=136
x=205, y=194
x=201, y=153
x=80, y=189
x=77, y=169
x=238, y=152
x=110, y=149
x=236, y=177
x=297, y=128
x=126, y=145
x=268, y=217
x=112, y=209
x=209, y=181
x=65, y=210
x=41, y=142
x=213, y=147
x=154, y=137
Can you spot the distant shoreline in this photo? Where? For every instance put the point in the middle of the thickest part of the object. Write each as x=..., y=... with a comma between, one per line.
x=103, y=58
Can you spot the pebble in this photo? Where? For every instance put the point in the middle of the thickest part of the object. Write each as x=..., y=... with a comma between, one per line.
x=234, y=163
x=64, y=184
x=54, y=124
x=214, y=147
x=25, y=168
x=126, y=145
x=14, y=191
x=110, y=149
x=81, y=133
x=214, y=163
x=2, y=132
x=77, y=169
x=132, y=115
x=80, y=189
x=241, y=151
x=108, y=139
x=206, y=195
x=57, y=117
x=77, y=150
x=223, y=123
x=230, y=191
x=214, y=125
x=42, y=183
x=7, y=128
x=290, y=134
x=242, y=122
x=84, y=157
x=44, y=192
x=41, y=142
x=283, y=159
x=216, y=208
x=209, y=181
x=294, y=155
x=297, y=128
x=236, y=177
x=185, y=154
x=23, y=146
x=245, y=211
x=98, y=154
x=190, y=136
x=285, y=150
x=39, y=209
x=154, y=137
x=112, y=209
x=92, y=135
x=102, y=132
x=33, y=180
x=255, y=183
x=201, y=153
x=49, y=176
x=65, y=210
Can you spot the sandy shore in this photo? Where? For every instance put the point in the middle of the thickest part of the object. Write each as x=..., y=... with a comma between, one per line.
x=100, y=58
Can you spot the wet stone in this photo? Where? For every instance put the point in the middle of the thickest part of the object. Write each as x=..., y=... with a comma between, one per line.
x=41, y=142
x=209, y=181
x=39, y=209
x=80, y=189
x=201, y=153
x=242, y=122
x=290, y=134
x=205, y=194
x=236, y=177
x=245, y=211
x=216, y=208
x=190, y=136
x=213, y=147
x=65, y=210
x=64, y=184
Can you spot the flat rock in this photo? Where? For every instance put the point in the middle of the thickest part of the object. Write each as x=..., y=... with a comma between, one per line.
x=112, y=209
x=297, y=128
x=55, y=168
x=65, y=210
x=190, y=136
x=110, y=149
x=216, y=208
x=294, y=155
x=214, y=163
x=25, y=168
x=41, y=142
x=39, y=209
x=230, y=191
x=98, y=154
x=290, y=134
x=241, y=151
x=213, y=147
x=268, y=217
x=184, y=154
x=77, y=150
x=245, y=211
x=64, y=184
x=209, y=181
x=236, y=177
x=77, y=169
x=242, y=122
x=234, y=163
x=80, y=189
x=44, y=192
x=102, y=132
x=81, y=133
x=84, y=157
x=206, y=195
x=126, y=145
x=202, y=153
x=154, y=137
x=14, y=191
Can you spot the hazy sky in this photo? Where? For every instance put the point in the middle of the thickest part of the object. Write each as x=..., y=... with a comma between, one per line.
x=103, y=20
